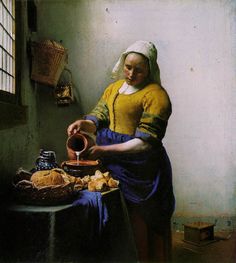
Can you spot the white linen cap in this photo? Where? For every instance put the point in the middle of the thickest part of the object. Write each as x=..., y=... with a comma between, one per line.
x=145, y=48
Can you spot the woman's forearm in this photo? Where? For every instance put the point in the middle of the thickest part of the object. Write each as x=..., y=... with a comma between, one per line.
x=89, y=126
x=133, y=146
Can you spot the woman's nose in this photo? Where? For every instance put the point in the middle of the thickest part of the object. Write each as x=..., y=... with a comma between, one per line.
x=131, y=73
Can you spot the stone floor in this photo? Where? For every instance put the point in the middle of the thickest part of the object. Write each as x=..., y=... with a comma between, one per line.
x=223, y=250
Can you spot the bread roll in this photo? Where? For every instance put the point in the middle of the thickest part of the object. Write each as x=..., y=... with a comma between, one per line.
x=112, y=183
x=98, y=185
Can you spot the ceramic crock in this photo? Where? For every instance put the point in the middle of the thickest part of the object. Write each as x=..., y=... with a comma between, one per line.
x=81, y=168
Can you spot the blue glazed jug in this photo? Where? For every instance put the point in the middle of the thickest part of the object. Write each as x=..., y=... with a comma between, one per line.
x=46, y=160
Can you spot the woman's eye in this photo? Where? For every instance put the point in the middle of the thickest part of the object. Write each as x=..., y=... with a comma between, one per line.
x=128, y=67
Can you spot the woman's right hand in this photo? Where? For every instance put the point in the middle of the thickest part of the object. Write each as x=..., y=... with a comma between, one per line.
x=81, y=125
x=74, y=127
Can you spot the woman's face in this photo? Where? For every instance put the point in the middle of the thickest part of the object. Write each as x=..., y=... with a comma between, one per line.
x=136, y=69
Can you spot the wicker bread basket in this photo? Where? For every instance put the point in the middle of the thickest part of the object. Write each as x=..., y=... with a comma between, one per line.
x=48, y=61
x=26, y=192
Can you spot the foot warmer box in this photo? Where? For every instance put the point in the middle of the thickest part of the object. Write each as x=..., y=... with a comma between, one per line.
x=199, y=233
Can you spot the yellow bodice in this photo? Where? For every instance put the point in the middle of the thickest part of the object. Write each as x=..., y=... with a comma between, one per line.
x=144, y=111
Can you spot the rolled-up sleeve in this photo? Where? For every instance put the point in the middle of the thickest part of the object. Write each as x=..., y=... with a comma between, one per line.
x=154, y=119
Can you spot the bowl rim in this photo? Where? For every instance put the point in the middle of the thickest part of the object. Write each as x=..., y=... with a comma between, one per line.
x=81, y=163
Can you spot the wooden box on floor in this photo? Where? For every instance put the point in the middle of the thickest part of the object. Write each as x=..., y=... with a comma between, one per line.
x=199, y=233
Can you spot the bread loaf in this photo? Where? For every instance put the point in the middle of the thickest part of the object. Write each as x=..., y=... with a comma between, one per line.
x=47, y=178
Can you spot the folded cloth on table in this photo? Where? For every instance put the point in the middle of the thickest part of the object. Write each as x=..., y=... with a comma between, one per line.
x=94, y=212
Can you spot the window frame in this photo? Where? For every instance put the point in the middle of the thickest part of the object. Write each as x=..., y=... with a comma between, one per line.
x=12, y=112
x=4, y=95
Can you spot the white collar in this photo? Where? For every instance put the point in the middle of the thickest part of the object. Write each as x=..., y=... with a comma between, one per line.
x=127, y=89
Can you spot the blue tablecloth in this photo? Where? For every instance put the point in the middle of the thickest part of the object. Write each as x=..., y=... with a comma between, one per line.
x=94, y=211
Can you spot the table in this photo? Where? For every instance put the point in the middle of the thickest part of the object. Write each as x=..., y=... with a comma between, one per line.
x=58, y=234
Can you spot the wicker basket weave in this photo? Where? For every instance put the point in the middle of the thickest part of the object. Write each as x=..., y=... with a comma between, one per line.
x=26, y=192
x=48, y=61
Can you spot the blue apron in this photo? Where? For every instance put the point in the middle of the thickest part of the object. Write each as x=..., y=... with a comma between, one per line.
x=145, y=178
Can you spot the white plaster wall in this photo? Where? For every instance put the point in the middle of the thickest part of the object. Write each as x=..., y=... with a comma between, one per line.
x=197, y=49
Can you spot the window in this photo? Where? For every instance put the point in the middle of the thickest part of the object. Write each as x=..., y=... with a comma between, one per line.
x=7, y=50
x=12, y=113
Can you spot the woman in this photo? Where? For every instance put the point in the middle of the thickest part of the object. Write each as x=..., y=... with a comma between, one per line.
x=130, y=121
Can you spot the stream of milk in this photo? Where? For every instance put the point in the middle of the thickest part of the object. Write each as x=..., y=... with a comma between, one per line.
x=77, y=156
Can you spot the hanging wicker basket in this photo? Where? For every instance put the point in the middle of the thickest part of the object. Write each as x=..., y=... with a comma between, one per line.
x=48, y=61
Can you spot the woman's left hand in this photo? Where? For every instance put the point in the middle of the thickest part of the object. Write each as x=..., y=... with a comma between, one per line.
x=95, y=152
